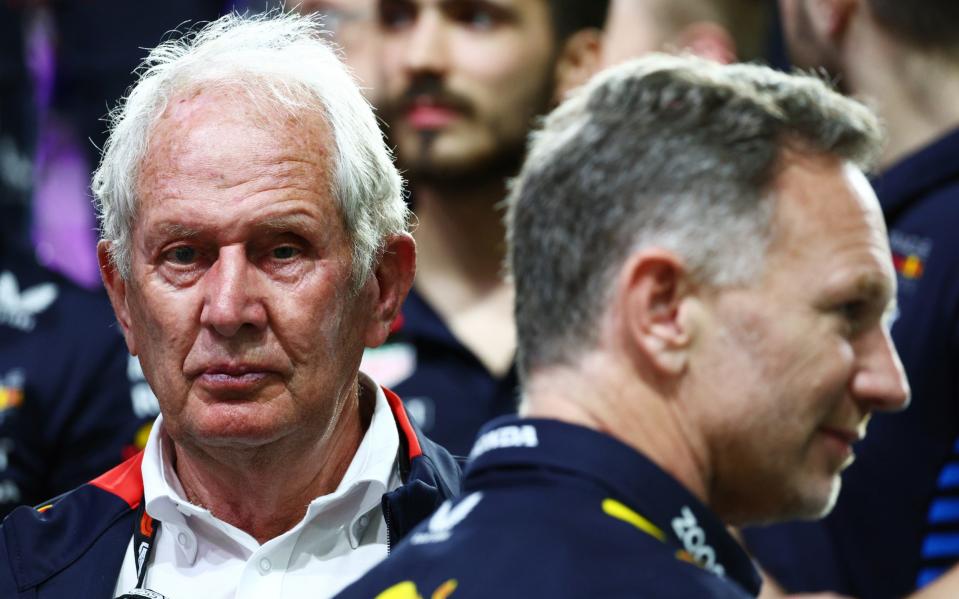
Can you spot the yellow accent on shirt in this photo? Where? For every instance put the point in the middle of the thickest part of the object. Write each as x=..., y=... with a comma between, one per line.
x=621, y=512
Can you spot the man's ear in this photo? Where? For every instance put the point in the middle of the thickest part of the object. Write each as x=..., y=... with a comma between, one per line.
x=393, y=277
x=654, y=293
x=830, y=18
x=707, y=40
x=579, y=59
x=117, y=290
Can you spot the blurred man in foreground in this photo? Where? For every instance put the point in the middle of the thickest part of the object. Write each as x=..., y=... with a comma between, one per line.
x=895, y=525
x=463, y=82
x=702, y=277
x=254, y=242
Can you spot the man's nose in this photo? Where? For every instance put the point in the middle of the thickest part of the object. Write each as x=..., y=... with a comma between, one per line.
x=880, y=380
x=231, y=297
x=427, y=44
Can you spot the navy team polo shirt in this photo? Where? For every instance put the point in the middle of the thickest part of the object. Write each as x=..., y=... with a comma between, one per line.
x=446, y=388
x=869, y=547
x=73, y=403
x=550, y=509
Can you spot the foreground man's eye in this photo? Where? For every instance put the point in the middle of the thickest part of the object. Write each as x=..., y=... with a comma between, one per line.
x=285, y=252
x=182, y=255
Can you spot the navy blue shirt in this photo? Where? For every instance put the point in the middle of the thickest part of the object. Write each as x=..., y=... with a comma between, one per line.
x=73, y=402
x=870, y=545
x=446, y=388
x=555, y=510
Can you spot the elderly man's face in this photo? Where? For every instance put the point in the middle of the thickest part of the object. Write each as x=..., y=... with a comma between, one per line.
x=239, y=302
x=794, y=364
x=463, y=81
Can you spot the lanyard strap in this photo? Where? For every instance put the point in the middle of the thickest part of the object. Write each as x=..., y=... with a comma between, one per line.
x=145, y=530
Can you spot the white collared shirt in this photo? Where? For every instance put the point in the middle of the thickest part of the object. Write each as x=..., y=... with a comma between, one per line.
x=342, y=535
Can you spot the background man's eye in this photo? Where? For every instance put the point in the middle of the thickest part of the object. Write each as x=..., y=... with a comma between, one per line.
x=396, y=15
x=480, y=19
x=285, y=252
x=184, y=255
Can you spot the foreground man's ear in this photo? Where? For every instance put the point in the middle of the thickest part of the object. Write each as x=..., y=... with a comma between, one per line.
x=392, y=278
x=652, y=303
x=117, y=290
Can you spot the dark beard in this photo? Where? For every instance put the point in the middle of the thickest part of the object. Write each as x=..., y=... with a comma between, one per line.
x=500, y=166
x=421, y=169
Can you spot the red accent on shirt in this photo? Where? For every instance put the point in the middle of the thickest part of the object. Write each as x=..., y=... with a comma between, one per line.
x=399, y=413
x=125, y=481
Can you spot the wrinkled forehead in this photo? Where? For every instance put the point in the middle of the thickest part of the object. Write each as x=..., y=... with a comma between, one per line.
x=197, y=119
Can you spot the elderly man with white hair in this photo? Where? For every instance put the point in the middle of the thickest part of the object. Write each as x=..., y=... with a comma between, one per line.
x=255, y=241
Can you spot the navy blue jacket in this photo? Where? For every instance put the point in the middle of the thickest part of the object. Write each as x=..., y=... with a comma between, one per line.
x=446, y=388
x=869, y=546
x=555, y=510
x=74, y=545
x=72, y=401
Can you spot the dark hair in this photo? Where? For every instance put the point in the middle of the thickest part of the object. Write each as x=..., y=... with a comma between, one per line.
x=570, y=16
x=924, y=23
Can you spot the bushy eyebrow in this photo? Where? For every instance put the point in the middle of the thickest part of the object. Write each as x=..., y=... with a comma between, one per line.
x=271, y=225
x=286, y=224
x=176, y=230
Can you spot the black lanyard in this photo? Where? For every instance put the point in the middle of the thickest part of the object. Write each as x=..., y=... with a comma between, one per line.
x=145, y=531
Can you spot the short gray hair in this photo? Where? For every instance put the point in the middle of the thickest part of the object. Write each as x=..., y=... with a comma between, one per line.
x=667, y=151
x=281, y=62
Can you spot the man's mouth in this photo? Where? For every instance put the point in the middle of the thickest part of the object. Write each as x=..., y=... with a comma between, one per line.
x=840, y=440
x=233, y=378
x=428, y=114
x=846, y=435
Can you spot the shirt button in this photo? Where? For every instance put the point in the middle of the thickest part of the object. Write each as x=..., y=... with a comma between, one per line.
x=265, y=566
x=181, y=539
x=364, y=521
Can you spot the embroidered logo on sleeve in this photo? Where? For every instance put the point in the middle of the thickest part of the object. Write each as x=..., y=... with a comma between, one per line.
x=506, y=437
x=910, y=253
x=693, y=537
x=445, y=519
x=11, y=392
x=18, y=309
x=407, y=590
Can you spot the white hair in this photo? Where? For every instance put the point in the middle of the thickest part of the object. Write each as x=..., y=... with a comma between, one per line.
x=280, y=61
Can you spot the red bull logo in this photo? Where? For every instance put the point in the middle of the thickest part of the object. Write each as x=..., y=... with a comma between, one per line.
x=908, y=266
x=10, y=397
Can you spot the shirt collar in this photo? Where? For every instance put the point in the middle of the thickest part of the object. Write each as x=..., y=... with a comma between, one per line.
x=915, y=175
x=628, y=475
x=371, y=473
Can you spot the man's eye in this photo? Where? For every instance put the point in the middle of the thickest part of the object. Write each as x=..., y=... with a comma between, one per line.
x=476, y=15
x=396, y=15
x=853, y=311
x=481, y=20
x=183, y=255
x=285, y=252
